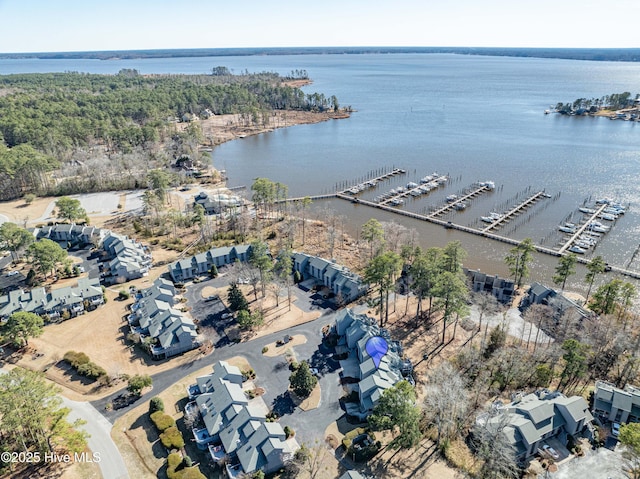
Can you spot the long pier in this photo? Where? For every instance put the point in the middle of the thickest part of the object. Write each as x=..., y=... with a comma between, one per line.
x=452, y=204
x=503, y=219
x=582, y=228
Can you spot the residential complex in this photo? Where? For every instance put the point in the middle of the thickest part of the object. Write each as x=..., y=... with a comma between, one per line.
x=58, y=303
x=123, y=258
x=615, y=404
x=531, y=419
x=200, y=264
x=235, y=429
x=217, y=202
x=502, y=289
x=154, y=315
x=72, y=234
x=561, y=305
x=363, y=377
x=346, y=285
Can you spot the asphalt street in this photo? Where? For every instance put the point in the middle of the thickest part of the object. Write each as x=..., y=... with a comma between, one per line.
x=272, y=374
x=108, y=456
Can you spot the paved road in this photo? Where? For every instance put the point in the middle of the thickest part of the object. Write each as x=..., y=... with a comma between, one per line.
x=110, y=462
x=272, y=375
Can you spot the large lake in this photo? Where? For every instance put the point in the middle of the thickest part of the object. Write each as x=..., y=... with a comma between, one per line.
x=472, y=117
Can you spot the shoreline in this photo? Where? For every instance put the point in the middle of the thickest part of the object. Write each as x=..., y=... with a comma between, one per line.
x=222, y=128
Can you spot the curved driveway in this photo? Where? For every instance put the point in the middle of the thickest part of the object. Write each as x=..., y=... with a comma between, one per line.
x=111, y=463
x=272, y=375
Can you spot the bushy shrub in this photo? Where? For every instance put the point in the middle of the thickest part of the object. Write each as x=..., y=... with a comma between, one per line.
x=91, y=370
x=162, y=421
x=156, y=404
x=171, y=438
x=123, y=295
x=76, y=359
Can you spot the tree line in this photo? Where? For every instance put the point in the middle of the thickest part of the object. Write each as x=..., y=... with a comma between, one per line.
x=50, y=121
x=614, y=101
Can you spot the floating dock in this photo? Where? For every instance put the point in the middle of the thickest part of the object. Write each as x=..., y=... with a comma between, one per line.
x=514, y=211
x=580, y=230
x=452, y=205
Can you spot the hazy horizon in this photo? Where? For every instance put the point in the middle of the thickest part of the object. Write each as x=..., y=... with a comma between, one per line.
x=41, y=26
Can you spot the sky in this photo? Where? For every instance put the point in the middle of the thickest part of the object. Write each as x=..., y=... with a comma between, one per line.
x=88, y=25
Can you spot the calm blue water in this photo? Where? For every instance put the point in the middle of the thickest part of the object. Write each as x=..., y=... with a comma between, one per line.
x=473, y=117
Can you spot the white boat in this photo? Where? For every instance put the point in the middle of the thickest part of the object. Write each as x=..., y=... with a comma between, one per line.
x=577, y=249
x=598, y=228
x=427, y=179
x=492, y=217
x=570, y=225
x=583, y=245
x=461, y=206
x=589, y=211
x=608, y=216
x=415, y=192
x=613, y=210
x=425, y=188
x=411, y=184
x=488, y=184
x=566, y=229
x=452, y=198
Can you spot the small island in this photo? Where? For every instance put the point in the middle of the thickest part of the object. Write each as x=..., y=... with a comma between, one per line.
x=616, y=106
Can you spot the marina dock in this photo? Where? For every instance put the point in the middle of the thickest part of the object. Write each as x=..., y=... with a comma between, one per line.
x=487, y=232
x=452, y=205
x=580, y=230
x=514, y=211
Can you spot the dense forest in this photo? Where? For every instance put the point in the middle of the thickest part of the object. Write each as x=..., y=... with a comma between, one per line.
x=55, y=119
x=591, y=54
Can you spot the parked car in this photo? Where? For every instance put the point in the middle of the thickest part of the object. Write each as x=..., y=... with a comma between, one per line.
x=227, y=315
x=243, y=281
x=211, y=298
x=615, y=429
x=13, y=273
x=551, y=451
x=315, y=372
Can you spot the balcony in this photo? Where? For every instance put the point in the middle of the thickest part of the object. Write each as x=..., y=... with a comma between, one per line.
x=235, y=471
x=217, y=453
x=202, y=438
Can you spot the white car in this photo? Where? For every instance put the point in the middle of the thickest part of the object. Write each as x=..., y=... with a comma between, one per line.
x=227, y=315
x=615, y=429
x=552, y=452
x=13, y=273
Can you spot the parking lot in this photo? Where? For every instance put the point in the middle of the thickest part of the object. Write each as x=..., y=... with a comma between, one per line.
x=599, y=464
